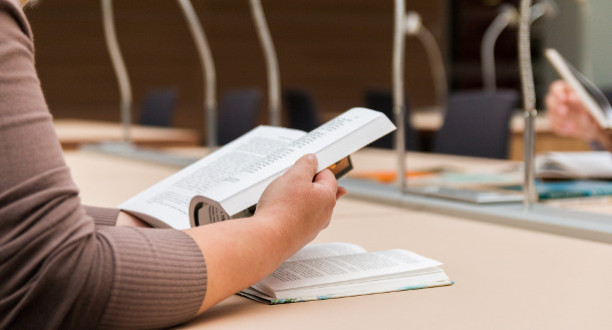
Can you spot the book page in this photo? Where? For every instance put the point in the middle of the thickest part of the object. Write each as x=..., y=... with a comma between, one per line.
x=417, y=279
x=169, y=199
x=421, y=278
x=331, y=142
x=592, y=98
x=576, y=164
x=313, y=272
x=324, y=250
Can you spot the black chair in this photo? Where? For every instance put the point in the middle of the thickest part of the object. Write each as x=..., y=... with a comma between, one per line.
x=238, y=110
x=301, y=109
x=477, y=124
x=157, y=108
x=382, y=100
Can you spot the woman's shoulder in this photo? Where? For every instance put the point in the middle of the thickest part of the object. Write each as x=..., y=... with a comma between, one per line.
x=11, y=13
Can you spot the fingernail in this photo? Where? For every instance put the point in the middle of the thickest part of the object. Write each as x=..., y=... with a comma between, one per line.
x=312, y=158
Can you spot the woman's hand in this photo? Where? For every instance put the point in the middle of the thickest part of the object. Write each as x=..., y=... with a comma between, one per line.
x=300, y=203
x=569, y=117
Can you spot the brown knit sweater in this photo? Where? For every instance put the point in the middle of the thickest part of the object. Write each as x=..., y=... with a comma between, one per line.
x=63, y=265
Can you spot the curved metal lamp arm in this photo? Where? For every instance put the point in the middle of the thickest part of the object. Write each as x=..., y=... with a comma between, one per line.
x=528, y=102
x=273, y=74
x=399, y=108
x=508, y=16
x=437, y=65
x=547, y=8
x=123, y=79
x=208, y=68
x=414, y=27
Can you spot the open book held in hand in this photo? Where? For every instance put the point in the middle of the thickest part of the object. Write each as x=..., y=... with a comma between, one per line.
x=334, y=270
x=229, y=182
x=574, y=165
x=593, y=99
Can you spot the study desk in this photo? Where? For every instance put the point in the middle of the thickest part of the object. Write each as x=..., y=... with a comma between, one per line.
x=505, y=278
x=75, y=132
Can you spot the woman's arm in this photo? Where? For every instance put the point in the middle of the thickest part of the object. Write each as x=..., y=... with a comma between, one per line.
x=58, y=269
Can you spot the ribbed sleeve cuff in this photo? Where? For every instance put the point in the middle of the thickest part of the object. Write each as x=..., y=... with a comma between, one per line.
x=159, y=278
x=102, y=216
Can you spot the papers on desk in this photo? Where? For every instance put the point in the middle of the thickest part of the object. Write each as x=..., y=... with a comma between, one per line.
x=570, y=189
x=481, y=186
x=577, y=164
x=447, y=176
x=478, y=195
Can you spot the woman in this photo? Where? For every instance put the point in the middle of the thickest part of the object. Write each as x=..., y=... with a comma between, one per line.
x=64, y=265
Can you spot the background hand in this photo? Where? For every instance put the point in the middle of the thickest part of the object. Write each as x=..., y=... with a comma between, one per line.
x=567, y=115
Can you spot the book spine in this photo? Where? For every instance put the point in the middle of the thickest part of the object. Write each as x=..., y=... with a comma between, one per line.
x=203, y=211
x=570, y=194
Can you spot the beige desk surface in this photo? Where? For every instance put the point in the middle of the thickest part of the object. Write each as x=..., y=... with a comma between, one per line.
x=505, y=278
x=74, y=132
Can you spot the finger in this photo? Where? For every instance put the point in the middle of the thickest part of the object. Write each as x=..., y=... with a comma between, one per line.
x=573, y=98
x=552, y=105
x=327, y=179
x=577, y=105
x=565, y=90
x=559, y=90
x=340, y=192
x=304, y=168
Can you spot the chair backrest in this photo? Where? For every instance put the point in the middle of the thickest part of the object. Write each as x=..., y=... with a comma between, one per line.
x=301, y=109
x=382, y=100
x=157, y=108
x=238, y=110
x=477, y=124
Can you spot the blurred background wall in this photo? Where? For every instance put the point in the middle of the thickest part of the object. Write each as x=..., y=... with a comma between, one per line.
x=334, y=49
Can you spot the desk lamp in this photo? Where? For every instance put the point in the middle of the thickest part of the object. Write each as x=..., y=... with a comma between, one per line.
x=544, y=8
x=126, y=147
x=411, y=24
x=507, y=17
x=125, y=89
x=414, y=27
x=399, y=108
x=530, y=112
x=265, y=39
x=528, y=89
x=208, y=68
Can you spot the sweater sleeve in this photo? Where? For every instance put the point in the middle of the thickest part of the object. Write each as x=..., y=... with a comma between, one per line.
x=58, y=269
x=102, y=216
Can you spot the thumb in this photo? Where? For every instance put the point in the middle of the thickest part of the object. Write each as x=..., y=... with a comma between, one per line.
x=305, y=167
x=327, y=179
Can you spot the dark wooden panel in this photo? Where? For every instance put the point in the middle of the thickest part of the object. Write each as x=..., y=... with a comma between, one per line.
x=336, y=49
